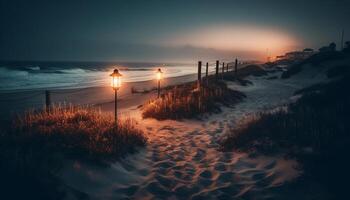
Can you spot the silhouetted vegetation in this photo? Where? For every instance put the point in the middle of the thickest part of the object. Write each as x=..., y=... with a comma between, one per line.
x=188, y=101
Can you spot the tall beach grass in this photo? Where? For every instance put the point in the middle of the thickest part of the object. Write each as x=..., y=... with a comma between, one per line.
x=79, y=130
x=35, y=146
x=314, y=130
x=189, y=100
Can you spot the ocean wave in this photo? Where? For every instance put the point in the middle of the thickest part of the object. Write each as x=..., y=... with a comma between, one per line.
x=43, y=76
x=55, y=70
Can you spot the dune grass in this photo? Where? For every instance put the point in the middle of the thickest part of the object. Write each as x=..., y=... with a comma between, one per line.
x=188, y=101
x=314, y=130
x=78, y=130
x=34, y=147
x=317, y=118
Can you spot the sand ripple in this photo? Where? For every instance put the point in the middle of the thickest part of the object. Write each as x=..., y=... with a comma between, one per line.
x=186, y=164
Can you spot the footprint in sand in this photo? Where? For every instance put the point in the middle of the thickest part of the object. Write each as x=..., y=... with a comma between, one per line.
x=206, y=174
x=219, y=166
x=164, y=164
x=226, y=176
x=164, y=181
x=157, y=189
x=129, y=191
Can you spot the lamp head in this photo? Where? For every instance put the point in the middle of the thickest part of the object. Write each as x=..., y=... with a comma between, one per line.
x=116, y=79
x=159, y=74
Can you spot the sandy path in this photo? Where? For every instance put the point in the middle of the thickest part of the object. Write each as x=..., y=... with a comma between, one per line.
x=182, y=160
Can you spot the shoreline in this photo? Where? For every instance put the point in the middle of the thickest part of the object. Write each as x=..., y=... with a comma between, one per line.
x=14, y=91
x=16, y=102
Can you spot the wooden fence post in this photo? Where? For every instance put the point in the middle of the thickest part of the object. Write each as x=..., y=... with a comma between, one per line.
x=223, y=67
x=199, y=73
x=217, y=70
x=199, y=85
x=223, y=70
x=227, y=67
x=47, y=100
x=206, y=72
x=236, y=65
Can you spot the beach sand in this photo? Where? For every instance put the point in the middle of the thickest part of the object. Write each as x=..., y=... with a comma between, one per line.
x=182, y=159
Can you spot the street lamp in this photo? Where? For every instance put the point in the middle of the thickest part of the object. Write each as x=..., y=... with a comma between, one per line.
x=159, y=77
x=116, y=82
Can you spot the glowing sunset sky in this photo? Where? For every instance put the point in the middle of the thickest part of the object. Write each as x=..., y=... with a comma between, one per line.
x=166, y=30
x=234, y=38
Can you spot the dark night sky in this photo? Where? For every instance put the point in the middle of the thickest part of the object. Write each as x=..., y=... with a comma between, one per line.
x=166, y=30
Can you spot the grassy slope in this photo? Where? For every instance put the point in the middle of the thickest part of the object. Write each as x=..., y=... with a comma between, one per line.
x=33, y=147
x=315, y=130
x=187, y=101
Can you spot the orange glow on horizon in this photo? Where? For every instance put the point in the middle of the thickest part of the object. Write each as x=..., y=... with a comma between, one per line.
x=236, y=38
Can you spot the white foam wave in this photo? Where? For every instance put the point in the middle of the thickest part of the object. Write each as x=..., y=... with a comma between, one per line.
x=14, y=79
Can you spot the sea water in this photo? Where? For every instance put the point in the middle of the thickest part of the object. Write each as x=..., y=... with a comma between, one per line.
x=62, y=75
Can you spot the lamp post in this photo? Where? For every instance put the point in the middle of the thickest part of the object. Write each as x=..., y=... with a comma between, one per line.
x=159, y=77
x=116, y=83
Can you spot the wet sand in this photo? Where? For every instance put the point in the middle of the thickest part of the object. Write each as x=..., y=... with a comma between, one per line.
x=103, y=97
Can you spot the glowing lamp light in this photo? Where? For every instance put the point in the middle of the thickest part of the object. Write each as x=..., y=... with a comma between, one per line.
x=116, y=80
x=159, y=74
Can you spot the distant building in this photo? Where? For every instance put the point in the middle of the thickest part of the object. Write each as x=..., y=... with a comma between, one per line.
x=296, y=55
